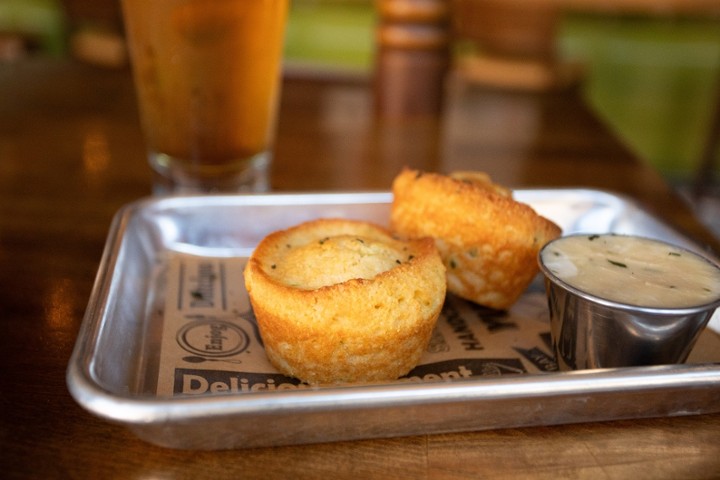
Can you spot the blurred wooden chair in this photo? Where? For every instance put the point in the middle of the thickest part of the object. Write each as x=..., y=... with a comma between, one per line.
x=418, y=44
x=516, y=41
x=511, y=44
x=95, y=31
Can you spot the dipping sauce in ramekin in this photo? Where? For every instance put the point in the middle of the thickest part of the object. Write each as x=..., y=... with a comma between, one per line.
x=634, y=270
x=619, y=300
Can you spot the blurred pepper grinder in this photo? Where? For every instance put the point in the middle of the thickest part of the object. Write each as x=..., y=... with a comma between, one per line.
x=412, y=57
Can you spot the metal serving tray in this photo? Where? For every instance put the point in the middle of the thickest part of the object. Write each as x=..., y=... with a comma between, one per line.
x=113, y=369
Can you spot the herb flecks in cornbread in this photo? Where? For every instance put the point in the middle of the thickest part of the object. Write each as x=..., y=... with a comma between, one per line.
x=342, y=301
x=488, y=241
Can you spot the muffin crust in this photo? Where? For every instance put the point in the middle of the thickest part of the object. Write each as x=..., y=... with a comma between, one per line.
x=488, y=241
x=343, y=301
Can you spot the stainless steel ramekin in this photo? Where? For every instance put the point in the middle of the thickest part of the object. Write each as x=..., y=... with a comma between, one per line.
x=592, y=332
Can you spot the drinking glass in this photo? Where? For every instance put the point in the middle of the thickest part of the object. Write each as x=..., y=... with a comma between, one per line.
x=207, y=76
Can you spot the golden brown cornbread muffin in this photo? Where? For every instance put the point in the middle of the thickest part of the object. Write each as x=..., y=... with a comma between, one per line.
x=343, y=301
x=488, y=241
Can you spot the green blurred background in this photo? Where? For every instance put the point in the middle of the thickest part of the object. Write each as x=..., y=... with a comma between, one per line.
x=653, y=79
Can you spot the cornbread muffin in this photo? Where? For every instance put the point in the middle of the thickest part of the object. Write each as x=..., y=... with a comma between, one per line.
x=343, y=301
x=488, y=241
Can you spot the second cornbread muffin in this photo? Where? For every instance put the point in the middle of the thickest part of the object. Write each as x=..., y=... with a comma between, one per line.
x=489, y=241
x=343, y=301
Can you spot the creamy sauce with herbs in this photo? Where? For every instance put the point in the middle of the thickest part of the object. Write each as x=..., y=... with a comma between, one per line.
x=633, y=270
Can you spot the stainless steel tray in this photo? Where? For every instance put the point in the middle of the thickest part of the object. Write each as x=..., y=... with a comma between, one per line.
x=114, y=354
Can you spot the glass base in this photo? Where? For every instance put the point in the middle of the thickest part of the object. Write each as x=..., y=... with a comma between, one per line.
x=172, y=178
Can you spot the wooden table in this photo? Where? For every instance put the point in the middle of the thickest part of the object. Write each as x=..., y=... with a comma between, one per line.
x=71, y=154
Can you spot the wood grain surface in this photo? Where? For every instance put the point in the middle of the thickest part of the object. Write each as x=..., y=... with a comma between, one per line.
x=71, y=154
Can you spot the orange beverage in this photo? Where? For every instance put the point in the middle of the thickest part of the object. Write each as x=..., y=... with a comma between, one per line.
x=207, y=78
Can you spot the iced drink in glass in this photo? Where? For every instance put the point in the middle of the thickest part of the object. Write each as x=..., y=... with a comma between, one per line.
x=207, y=75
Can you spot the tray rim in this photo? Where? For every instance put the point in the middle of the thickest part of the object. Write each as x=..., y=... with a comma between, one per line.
x=145, y=410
